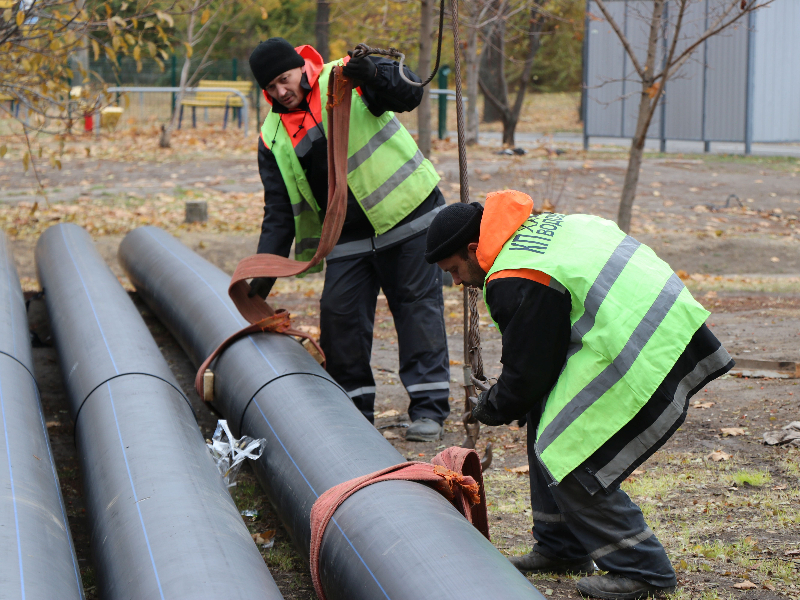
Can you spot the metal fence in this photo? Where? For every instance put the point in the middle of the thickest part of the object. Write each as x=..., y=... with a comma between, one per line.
x=742, y=85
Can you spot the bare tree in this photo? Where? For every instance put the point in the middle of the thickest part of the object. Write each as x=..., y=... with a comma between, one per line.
x=497, y=93
x=425, y=46
x=322, y=29
x=670, y=30
x=201, y=16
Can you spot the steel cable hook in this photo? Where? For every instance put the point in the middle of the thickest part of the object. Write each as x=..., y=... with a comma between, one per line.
x=362, y=50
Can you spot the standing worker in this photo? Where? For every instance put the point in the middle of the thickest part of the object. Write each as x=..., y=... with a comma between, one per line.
x=392, y=198
x=603, y=347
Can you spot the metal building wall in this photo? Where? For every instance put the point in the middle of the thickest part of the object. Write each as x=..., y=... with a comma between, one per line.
x=606, y=62
x=708, y=100
x=776, y=86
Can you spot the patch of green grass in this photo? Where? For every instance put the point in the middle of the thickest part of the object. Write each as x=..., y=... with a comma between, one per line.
x=245, y=494
x=751, y=477
x=281, y=557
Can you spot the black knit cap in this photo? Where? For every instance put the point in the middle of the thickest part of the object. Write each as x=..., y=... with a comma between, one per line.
x=453, y=228
x=273, y=57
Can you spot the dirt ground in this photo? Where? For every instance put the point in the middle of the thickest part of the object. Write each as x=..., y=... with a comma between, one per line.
x=722, y=523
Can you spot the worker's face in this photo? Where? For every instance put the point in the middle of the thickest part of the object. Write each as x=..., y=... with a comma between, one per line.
x=464, y=270
x=286, y=89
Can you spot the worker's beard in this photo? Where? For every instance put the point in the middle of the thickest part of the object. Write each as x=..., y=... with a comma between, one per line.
x=475, y=275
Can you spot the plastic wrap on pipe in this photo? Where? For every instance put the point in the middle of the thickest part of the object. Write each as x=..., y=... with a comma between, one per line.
x=397, y=540
x=163, y=523
x=37, y=558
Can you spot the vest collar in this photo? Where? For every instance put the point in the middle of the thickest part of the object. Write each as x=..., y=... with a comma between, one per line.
x=503, y=213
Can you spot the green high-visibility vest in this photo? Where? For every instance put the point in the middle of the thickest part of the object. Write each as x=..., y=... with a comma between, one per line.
x=631, y=319
x=386, y=172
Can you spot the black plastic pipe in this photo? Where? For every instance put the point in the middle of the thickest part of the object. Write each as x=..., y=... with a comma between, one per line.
x=37, y=558
x=164, y=526
x=396, y=540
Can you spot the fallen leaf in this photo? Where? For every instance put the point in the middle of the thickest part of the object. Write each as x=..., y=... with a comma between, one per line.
x=485, y=177
x=520, y=470
x=745, y=585
x=779, y=487
x=682, y=274
x=264, y=537
x=732, y=431
x=309, y=329
x=718, y=455
x=792, y=552
x=50, y=424
x=703, y=404
x=387, y=413
x=769, y=586
x=775, y=259
x=683, y=566
x=390, y=435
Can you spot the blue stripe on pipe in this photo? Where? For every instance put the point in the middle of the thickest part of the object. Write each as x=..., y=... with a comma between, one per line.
x=44, y=430
x=291, y=458
x=239, y=320
x=316, y=495
x=58, y=491
x=13, y=495
x=91, y=304
x=114, y=410
x=133, y=489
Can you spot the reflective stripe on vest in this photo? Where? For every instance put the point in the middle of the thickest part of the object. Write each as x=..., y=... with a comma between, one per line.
x=631, y=319
x=387, y=173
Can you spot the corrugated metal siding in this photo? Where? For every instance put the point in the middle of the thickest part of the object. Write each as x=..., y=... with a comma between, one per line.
x=639, y=15
x=776, y=109
x=604, y=78
x=684, y=93
x=727, y=82
x=776, y=85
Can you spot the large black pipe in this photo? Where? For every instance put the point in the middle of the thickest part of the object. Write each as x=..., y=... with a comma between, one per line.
x=396, y=539
x=37, y=558
x=163, y=523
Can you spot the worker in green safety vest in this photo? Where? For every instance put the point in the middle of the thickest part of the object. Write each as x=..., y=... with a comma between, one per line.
x=603, y=346
x=392, y=198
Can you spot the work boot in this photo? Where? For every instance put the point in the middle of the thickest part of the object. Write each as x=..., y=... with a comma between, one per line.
x=619, y=587
x=533, y=562
x=424, y=430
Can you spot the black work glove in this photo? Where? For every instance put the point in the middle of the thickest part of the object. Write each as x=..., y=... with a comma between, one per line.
x=361, y=69
x=484, y=413
x=261, y=286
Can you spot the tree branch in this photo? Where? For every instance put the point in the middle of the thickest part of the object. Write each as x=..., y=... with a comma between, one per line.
x=625, y=43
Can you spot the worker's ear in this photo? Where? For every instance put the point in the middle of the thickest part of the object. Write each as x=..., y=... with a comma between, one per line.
x=472, y=247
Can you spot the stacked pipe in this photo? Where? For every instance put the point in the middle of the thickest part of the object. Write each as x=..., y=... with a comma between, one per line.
x=163, y=523
x=37, y=559
x=395, y=539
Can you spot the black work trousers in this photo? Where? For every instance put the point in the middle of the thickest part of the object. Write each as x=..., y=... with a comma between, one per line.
x=413, y=289
x=578, y=519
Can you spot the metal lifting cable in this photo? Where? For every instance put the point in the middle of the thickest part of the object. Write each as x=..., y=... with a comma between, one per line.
x=364, y=50
x=473, y=362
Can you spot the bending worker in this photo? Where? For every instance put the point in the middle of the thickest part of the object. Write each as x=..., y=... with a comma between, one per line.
x=603, y=347
x=392, y=198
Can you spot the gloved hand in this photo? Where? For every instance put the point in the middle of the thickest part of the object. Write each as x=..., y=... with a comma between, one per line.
x=261, y=286
x=483, y=412
x=360, y=69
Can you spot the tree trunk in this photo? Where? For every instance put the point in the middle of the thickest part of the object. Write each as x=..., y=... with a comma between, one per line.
x=166, y=130
x=647, y=108
x=322, y=29
x=492, y=72
x=425, y=46
x=471, y=60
